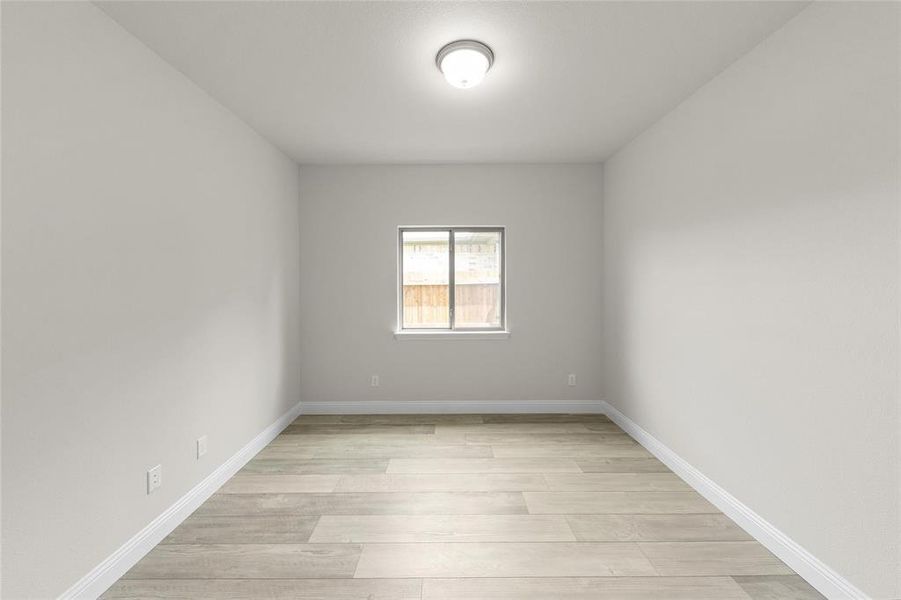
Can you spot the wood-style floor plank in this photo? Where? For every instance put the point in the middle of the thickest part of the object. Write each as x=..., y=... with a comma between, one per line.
x=249, y=529
x=364, y=503
x=712, y=558
x=323, y=441
x=482, y=465
x=615, y=482
x=359, y=428
x=599, y=450
x=546, y=418
x=264, y=589
x=566, y=439
x=286, y=453
x=617, y=503
x=315, y=466
x=250, y=561
x=581, y=588
x=441, y=528
x=316, y=419
x=461, y=419
x=521, y=428
x=369, y=451
x=621, y=465
x=777, y=587
x=502, y=560
x=442, y=482
x=655, y=528
x=251, y=483
x=600, y=425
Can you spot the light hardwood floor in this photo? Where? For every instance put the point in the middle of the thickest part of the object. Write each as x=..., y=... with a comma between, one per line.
x=441, y=507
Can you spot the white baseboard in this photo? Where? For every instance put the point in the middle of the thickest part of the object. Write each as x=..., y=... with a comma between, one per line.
x=119, y=562
x=813, y=570
x=379, y=407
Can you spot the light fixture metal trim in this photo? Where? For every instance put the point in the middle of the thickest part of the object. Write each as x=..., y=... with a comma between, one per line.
x=465, y=45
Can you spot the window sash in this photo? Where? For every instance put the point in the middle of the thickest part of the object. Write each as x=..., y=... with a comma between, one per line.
x=451, y=289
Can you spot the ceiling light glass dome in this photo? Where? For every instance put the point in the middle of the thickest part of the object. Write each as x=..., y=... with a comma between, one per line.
x=464, y=63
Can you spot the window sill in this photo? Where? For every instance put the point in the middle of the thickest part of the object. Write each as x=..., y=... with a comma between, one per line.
x=407, y=336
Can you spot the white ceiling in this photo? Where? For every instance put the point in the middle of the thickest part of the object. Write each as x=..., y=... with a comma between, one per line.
x=355, y=82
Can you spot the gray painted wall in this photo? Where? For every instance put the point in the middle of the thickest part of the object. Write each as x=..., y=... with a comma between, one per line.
x=150, y=256
x=349, y=221
x=751, y=285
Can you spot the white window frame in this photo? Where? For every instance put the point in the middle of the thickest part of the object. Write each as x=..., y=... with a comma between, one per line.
x=452, y=330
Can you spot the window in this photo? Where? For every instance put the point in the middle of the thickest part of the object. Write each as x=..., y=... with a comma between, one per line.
x=451, y=278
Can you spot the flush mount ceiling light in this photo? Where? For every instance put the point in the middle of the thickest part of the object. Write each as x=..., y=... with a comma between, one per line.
x=464, y=62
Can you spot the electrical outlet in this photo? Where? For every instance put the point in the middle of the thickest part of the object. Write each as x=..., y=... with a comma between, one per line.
x=571, y=381
x=374, y=381
x=154, y=478
x=201, y=446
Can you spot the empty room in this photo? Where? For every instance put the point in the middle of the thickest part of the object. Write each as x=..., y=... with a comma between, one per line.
x=378, y=300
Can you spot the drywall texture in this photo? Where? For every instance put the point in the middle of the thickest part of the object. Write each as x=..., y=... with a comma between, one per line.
x=150, y=253
x=349, y=221
x=751, y=284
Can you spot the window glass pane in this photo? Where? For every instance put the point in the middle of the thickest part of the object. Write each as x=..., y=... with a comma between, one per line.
x=426, y=264
x=477, y=279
